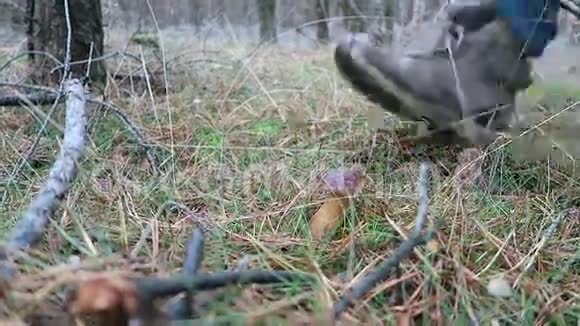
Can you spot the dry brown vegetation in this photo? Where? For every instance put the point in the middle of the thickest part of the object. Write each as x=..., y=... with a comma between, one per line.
x=241, y=139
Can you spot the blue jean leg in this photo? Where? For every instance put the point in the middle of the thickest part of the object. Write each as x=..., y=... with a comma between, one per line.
x=534, y=23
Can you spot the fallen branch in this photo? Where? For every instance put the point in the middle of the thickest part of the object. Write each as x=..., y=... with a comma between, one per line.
x=423, y=185
x=30, y=87
x=31, y=226
x=368, y=282
x=120, y=299
x=36, y=98
x=182, y=309
x=153, y=287
x=242, y=265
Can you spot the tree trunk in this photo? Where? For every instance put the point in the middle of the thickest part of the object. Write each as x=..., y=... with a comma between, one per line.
x=390, y=13
x=30, y=9
x=432, y=7
x=405, y=9
x=351, y=10
x=322, y=14
x=219, y=11
x=50, y=36
x=267, y=16
x=195, y=15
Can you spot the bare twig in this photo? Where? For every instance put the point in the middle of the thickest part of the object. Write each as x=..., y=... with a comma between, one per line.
x=540, y=245
x=101, y=58
x=153, y=287
x=368, y=282
x=182, y=309
x=25, y=53
x=423, y=186
x=194, y=255
x=139, y=138
x=88, y=72
x=30, y=87
x=127, y=300
x=67, y=56
x=60, y=178
x=242, y=265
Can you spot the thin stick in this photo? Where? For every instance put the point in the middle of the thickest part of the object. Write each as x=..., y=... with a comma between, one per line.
x=67, y=55
x=538, y=247
x=157, y=288
x=88, y=72
x=182, y=309
x=366, y=283
x=31, y=87
x=423, y=186
x=139, y=138
x=50, y=56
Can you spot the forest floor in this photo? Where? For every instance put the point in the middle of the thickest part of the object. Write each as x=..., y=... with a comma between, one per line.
x=242, y=139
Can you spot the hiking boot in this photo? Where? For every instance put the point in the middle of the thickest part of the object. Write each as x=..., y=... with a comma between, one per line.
x=464, y=91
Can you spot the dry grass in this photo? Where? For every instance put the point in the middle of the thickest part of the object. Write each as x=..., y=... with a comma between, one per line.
x=241, y=144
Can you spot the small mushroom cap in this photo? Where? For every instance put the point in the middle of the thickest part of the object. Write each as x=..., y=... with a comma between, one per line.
x=343, y=181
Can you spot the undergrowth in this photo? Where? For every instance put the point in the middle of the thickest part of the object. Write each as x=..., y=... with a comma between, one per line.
x=242, y=144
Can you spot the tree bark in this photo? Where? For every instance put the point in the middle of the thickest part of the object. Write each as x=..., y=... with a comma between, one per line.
x=267, y=16
x=350, y=10
x=432, y=7
x=322, y=7
x=195, y=15
x=405, y=9
x=30, y=9
x=390, y=13
x=220, y=12
x=50, y=35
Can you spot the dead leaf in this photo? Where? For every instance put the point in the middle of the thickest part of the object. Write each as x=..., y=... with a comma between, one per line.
x=328, y=216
